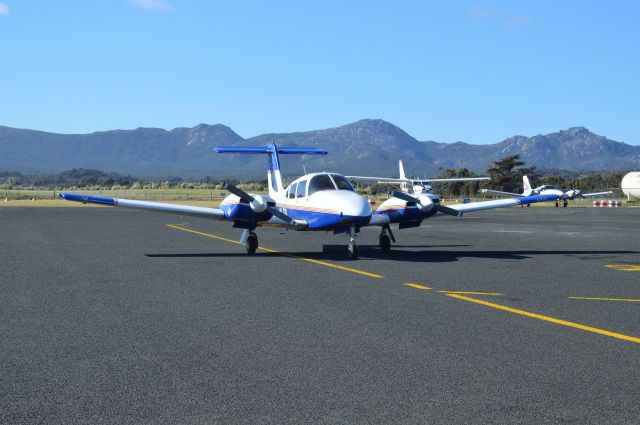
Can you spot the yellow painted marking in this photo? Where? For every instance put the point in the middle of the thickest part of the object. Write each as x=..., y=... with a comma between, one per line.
x=415, y=285
x=625, y=267
x=471, y=293
x=629, y=300
x=286, y=254
x=547, y=318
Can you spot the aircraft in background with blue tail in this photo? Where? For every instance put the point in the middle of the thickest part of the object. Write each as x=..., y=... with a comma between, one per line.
x=314, y=202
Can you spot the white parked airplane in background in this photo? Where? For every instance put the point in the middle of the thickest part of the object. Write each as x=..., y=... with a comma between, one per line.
x=547, y=189
x=418, y=186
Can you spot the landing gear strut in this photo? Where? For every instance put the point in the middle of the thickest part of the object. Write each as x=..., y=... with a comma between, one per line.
x=353, y=246
x=251, y=244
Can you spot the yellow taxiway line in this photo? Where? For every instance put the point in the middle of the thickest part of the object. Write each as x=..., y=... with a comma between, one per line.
x=629, y=300
x=286, y=254
x=471, y=293
x=417, y=286
x=625, y=267
x=547, y=318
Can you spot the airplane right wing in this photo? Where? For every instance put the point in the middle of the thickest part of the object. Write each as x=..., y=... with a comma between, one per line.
x=203, y=212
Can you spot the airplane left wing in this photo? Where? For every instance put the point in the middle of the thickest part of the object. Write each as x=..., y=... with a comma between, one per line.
x=204, y=212
x=501, y=203
x=597, y=193
x=394, y=180
x=498, y=192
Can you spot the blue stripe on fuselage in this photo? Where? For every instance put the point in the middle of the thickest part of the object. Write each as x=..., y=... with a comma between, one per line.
x=315, y=220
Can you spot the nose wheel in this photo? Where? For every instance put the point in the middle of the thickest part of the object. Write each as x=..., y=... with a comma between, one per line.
x=352, y=249
x=251, y=244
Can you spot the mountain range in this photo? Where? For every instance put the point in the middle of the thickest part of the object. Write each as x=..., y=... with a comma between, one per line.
x=365, y=147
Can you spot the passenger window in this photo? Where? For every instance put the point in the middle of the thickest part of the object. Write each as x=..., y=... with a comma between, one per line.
x=292, y=191
x=320, y=182
x=302, y=189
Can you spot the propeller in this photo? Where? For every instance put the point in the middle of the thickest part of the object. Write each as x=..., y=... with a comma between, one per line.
x=426, y=203
x=258, y=203
x=574, y=193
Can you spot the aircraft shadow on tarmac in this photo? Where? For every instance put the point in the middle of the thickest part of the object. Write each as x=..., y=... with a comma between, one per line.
x=337, y=253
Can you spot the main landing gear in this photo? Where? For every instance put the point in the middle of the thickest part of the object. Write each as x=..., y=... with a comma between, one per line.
x=386, y=236
x=565, y=203
x=250, y=241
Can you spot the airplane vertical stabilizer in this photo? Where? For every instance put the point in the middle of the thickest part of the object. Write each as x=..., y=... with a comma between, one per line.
x=403, y=185
x=274, y=177
x=526, y=185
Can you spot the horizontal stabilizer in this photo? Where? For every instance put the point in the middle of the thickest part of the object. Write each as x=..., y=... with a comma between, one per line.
x=259, y=149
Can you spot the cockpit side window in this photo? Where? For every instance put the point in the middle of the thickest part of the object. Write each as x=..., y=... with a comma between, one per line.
x=320, y=182
x=292, y=190
x=302, y=189
x=342, y=182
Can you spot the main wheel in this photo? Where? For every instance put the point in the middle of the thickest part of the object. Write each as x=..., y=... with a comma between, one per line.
x=557, y=204
x=385, y=243
x=252, y=243
x=565, y=203
x=353, y=251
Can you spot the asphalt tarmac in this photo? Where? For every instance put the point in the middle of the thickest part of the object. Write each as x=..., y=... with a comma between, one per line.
x=112, y=316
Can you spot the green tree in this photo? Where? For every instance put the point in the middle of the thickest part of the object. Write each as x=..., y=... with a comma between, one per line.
x=506, y=176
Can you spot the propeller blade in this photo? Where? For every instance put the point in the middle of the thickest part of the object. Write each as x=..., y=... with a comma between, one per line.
x=238, y=192
x=282, y=216
x=402, y=196
x=447, y=210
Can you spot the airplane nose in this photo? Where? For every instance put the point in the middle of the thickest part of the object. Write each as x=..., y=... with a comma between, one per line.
x=355, y=205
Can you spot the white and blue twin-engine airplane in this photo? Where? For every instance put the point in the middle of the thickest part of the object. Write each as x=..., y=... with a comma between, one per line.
x=318, y=201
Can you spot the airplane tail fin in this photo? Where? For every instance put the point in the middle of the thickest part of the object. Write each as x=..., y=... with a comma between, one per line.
x=274, y=177
x=403, y=185
x=526, y=185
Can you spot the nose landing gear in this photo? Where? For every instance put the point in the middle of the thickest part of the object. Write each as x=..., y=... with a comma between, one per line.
x=352, y=249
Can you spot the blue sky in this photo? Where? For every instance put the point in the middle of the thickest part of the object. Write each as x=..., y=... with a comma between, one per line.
x=476, y=71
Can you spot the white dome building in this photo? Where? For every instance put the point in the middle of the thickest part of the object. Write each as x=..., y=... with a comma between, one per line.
x=631, y=185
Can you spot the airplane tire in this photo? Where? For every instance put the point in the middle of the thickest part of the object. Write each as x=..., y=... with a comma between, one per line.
x=353, y=251
x=252, y=243
x=564, y=204
x=385, y=243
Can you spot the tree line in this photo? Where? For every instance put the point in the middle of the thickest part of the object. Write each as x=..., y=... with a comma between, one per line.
x=506, y=175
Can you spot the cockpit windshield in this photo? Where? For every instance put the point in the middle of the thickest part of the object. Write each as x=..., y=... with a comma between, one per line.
x=320, y=182
x=342, y=182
